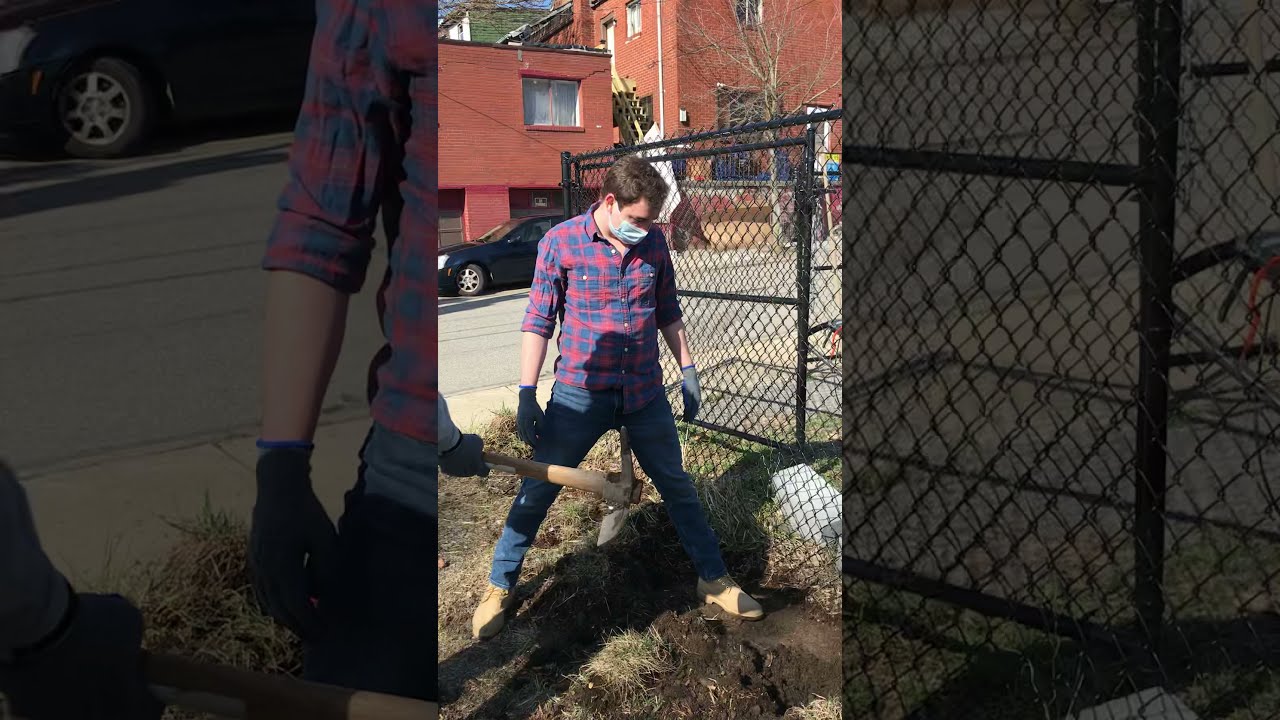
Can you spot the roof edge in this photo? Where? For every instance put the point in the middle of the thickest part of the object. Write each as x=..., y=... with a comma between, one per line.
x=575, y=49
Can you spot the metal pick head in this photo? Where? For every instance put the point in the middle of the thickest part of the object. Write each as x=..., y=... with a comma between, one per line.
x=619, y=493
x=611, y=525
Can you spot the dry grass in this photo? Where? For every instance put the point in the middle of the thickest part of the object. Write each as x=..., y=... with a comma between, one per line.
x=819, y=709
x=629, y=663
x=200, y=603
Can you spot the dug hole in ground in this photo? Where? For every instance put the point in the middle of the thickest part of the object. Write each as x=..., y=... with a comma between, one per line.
x=617, y=631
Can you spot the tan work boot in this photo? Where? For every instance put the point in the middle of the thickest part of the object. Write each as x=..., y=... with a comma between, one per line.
x=725, y=592
x=491, y=614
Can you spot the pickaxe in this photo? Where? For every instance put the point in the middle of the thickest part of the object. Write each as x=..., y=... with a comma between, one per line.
x=619, y=489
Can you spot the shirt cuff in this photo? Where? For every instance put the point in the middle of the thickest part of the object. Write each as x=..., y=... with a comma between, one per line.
x=670, y=317
x=538, y=325
x=310, y=247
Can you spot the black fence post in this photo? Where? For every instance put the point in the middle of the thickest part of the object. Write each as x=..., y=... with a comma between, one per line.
x=566, y=184
x=804, y=201
x=1159, y=72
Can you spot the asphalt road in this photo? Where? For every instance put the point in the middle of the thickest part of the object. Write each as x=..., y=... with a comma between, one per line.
x=130, y=298
x=480, y=341
x=130, y=301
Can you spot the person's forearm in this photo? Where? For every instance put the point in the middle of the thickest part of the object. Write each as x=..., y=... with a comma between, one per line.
x=678, y=340
x=533, y=353
x=305, y=323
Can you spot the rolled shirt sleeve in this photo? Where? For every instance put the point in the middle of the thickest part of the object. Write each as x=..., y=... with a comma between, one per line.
x=546, y=295
x=33, y=594
x=328, y=210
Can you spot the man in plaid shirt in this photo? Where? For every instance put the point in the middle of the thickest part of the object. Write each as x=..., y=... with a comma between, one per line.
x=360, y=597
x=607, y=277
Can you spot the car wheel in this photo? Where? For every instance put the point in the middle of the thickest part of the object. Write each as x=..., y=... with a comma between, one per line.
x=105, y=109
x=472, y=280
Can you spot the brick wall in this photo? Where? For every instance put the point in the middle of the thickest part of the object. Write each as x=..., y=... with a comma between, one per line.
x=637, y=56
x=485, y=147
x=810, y=62
x=582, y=31
x=487, y=206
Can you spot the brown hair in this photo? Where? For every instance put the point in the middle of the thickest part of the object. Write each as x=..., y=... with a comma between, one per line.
x=632, y=178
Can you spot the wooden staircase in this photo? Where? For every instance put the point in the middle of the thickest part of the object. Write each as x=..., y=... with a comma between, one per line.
x=628, y=114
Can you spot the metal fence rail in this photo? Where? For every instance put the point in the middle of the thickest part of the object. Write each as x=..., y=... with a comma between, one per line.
x=1061, y=407
x=755, y=245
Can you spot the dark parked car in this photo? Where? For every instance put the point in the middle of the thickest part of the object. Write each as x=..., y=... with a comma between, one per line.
x=503, y=256
x=99, y=75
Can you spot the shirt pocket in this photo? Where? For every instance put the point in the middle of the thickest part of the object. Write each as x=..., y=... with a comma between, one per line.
x=587, y=287
x=644, y=285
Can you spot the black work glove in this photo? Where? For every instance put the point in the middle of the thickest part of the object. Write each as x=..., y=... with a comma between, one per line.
x=293, y=546
x=529, y=416
x=466, y=459
x=90, y=668
x=692, y=391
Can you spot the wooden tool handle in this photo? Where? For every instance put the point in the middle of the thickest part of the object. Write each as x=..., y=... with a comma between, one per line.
x=230, y=692
x=588, y=480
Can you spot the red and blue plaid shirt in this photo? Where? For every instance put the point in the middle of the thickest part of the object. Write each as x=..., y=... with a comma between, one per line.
x=365, y=142
x=610, y=308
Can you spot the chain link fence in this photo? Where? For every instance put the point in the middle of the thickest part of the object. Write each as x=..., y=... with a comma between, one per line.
x=1061, y=392
x=754, y=237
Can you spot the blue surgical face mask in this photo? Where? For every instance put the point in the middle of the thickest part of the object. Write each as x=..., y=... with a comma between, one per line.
x=626, y=232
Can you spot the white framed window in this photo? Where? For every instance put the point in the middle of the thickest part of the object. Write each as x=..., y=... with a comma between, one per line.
x=633, y=18
x=749, y=12
x=551, y=103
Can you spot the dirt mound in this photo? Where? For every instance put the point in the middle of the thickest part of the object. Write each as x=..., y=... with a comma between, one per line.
x=729, y=669
x=617, y=632
x=573, y=606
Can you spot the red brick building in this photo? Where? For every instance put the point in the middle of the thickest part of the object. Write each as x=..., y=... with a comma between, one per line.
x=506, y=114
x=715, y=55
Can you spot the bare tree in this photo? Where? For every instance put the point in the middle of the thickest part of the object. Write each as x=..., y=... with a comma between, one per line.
x=762, y=59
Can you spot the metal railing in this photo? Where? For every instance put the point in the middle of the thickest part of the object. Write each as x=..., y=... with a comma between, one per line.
x=1061, y=387
x=756, y=252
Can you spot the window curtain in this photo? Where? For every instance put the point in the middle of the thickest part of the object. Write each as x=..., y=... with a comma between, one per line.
x=537, y=102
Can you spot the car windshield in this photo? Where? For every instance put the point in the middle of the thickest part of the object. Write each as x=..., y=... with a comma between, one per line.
x=499, y=232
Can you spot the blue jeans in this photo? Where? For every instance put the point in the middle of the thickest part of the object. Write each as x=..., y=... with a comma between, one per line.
x=575, y=420
x=380, y=620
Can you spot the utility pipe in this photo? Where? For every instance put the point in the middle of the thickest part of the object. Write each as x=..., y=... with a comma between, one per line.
x=662, y=95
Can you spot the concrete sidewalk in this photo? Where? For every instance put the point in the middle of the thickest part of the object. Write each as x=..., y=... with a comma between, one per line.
x=103, y=516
